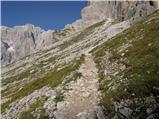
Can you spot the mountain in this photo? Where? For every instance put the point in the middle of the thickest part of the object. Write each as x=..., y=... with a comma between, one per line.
x=97, y=11
x=27, y=39
x=104, y=65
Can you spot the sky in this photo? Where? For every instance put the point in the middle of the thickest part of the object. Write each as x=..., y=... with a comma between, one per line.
x=45, y=14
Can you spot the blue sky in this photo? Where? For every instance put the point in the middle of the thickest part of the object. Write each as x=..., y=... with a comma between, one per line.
x=46, y=14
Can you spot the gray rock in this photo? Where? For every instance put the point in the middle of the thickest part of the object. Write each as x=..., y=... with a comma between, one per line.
x=122, y=54
x=60, y=105
x=123, y=67
x=86, y=94
x=99, y=113
x=18, y=42
x=149, y=110
x=49, y=104
x=82, y=115
x=125, y=111
x=150, y=116
x=114, y=10
x=31, y=71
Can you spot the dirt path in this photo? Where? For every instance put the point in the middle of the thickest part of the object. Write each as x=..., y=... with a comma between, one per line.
x=81, y=101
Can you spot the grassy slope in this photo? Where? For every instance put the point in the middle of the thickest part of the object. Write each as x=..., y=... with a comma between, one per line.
x=52, y=78
x=66, y=44
x=81, y=36
x=140, y=59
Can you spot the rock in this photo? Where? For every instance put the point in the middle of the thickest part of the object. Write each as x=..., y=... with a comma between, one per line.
x=149, y=110
x=115, y=116
x=133, y=94
x=113, y=10
x=60, y=105
x=86, y=94
x=125, y=111
x=52, y=97
x=122, y=54
x=31, y=71
x=115, y=73
x=123, y=67
x=83, y=89
x=149, y=44
x=20, y=41
x=50, y=105
x=150, y=116
x=82, y=115
x=99, y=113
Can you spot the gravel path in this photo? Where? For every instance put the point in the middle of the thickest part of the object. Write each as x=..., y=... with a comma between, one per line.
x=81, y=101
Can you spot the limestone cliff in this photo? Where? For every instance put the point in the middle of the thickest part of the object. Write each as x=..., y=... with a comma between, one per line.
x=117, y=10
x=18, y=42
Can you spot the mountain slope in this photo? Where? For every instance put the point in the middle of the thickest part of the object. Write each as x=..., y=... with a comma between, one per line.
x=106, y=70
x=128, y=71
x=45, y=69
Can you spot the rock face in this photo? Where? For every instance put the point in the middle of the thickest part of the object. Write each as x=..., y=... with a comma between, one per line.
x=18, y=42
x=120, y=10
x=117, y=10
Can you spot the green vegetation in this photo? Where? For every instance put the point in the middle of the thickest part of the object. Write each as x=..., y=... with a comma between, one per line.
x=140, y=58
x=116, y=21
x=81, y=36
x=59, y=97
x=25, y=74
x=37, y=104
x=17, y=77
x=52, y=78
x=73, y=77
x=59, y=32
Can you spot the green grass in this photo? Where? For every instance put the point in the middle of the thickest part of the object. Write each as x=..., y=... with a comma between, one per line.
x=59, y=97
x=81, y=36
x=38, y=103
x=73, y=77
x=59, y=32
x=140, y=59
x=25, y=74
x=17, y=77
x=52, y=78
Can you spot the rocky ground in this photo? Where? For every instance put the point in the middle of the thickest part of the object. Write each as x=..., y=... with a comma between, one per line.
x=128, y=71
x=81, y=99
x=99, y=72
x=42, y=62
